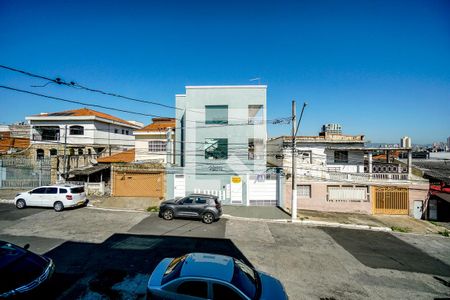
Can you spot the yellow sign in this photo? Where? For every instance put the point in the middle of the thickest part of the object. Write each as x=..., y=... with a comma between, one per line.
x=235, y=179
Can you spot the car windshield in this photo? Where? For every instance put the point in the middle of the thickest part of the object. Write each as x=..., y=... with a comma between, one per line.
x=77, y=190
x=245, y=279
x=173, y=269
x=18, y=267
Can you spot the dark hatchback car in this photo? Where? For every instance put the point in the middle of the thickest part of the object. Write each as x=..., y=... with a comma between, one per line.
x=200, y=206
x=22, y=272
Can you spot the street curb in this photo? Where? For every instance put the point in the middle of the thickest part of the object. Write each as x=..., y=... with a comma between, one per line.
x=6, y=201
x=311, y=223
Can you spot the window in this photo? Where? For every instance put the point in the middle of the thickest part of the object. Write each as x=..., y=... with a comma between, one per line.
x=63, y=191
x=80, y=151
x=89, y=151
x=51, y=190
x=303, y=191
x=127, y=132
x=304, y=157
x=157, y=146
x=77, y=190
x=200, y=201
x=341, y=157
x=116, y=130
x=53, y=152
x=244, y=278
x=223, y=292
x=188, y=200
x=123, y=131
x=255, y=114
x=76, y=130
x=255, y=149
x=173, y=269
x=193, y=288
x=39, y=154
x=216, y=114
x=38, y=191
x=216, y=148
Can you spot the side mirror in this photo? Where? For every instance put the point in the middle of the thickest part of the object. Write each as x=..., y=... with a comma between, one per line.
x=26, y=246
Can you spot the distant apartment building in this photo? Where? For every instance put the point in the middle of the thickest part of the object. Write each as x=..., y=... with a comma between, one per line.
x=448, y=143
x=332, y=128
x=337, y=172
x=220, y=142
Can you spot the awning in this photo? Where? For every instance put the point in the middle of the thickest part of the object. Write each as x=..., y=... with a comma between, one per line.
x=89, y=170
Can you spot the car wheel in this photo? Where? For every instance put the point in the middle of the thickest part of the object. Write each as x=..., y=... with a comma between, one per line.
x=58, y=206
x=208, y=218
x=168, y=214
x=21, y=204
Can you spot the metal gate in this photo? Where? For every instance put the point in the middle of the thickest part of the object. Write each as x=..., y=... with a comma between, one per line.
x=138, y=184
x=390, y=200
x=262, y=189
x=21, y=172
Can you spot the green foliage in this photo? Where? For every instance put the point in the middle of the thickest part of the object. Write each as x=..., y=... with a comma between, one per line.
x=445, y=233
x=400, y=229
x=153, y=209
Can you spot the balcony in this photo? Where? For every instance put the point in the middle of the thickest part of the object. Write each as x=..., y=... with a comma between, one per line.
x=44, y=138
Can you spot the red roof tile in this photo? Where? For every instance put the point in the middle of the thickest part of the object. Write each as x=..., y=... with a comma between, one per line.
x=126, y=156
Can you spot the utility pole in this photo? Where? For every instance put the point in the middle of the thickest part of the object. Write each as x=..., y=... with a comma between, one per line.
x=65, y=156
x=294, y=173
x=294, y=159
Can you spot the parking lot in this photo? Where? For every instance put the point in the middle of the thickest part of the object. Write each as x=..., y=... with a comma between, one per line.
x=110, y=254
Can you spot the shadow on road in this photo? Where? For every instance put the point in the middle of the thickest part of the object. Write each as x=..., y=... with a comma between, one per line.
x=384, y=250
x=124, y=261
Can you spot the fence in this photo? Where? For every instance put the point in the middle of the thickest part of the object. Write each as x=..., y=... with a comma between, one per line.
x=24, y=172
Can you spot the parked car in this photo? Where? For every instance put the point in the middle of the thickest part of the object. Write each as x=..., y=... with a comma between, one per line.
x=22, y=271
x=56, y=196
x=200, y=206
x=211, y=276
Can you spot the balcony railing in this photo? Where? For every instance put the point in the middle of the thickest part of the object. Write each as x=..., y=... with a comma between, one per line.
x=41, y=138
x=368, y=177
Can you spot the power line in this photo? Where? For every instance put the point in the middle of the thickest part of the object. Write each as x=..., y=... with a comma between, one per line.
x=274, y=121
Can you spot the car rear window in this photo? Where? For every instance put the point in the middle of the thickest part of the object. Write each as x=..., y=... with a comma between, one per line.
x=244, y=278
x=77, y=190
x=173, y=269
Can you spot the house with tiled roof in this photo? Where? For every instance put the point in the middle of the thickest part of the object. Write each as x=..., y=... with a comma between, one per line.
x=84, y=131
x=154, y=142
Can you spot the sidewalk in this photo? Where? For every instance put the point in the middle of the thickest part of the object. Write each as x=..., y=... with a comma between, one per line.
x=130, y=203
x=395, y=222
x=255, y=212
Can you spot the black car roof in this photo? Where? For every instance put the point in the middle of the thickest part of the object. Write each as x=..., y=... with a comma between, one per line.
x=202, y=195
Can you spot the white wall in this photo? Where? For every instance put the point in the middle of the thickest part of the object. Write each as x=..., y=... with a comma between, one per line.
x=141, y=146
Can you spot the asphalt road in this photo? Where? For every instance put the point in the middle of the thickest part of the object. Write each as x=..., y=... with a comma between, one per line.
x=102, y=254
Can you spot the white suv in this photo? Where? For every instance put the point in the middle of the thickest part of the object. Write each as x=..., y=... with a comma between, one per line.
x=56, y=196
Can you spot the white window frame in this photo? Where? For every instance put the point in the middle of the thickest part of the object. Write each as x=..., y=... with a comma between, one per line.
x=157, y=146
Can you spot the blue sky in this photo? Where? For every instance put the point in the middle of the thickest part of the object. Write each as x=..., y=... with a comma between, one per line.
x=380, y=68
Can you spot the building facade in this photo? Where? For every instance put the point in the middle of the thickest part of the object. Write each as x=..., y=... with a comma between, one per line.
x=337, y=172
x=220, y=141
x=155, y=142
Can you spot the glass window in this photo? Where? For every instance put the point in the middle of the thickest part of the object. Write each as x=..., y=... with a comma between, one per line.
x=51, y=190
x=216, y=114
x=303, y=191
x=341, y=157
x=116, y=130
x=53, y=152
x=223, y=292
x=38, y=191
x=76, y=130
x=244, y=278
x=80, y=151
x=216, y=148
x=123, y=131
x=200, y=201
x=255, y=149
x=188, y=200
x=255, y=114
x=63, y=191
x=157, y=146
x=127, y=132
x=77, y=190
x=193, y=288
x=173, y=269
